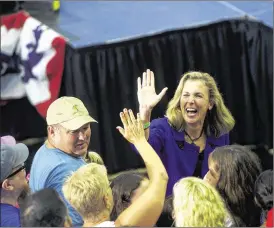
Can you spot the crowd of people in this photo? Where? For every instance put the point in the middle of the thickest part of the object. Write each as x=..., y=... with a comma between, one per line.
x=194, y=177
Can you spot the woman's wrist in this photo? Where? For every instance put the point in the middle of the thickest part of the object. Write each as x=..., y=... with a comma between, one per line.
x=145, y=114
x=146, y=125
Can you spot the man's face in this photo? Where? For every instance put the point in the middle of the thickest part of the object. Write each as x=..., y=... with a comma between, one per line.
x=17, y=182
x=73, y=142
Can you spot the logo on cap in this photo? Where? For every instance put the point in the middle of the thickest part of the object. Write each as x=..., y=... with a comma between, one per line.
x=78, y=110
x=75, y=108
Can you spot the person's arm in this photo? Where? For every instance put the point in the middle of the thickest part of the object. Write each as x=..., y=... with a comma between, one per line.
x=157, y=137
x=146, y=210
x=145, y=117
x=147, y=97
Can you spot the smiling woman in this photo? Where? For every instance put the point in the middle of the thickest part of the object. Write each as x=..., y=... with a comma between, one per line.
x=196, y=122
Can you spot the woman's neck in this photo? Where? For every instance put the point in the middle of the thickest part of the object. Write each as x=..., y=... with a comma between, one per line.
x=194, y=131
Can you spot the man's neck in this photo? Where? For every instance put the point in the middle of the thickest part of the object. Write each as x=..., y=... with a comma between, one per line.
x=9, y=200
x=100, y=219
x=49, y=144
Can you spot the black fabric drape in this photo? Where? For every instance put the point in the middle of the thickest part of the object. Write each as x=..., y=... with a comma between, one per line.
x=21, y=120
x=7, y=7
x=238, y=53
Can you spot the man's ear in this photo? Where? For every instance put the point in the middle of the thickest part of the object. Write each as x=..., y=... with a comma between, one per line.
x=6, y=185
x=50, y=130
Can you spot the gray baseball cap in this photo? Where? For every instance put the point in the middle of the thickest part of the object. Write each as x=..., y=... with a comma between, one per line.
x=11, y=157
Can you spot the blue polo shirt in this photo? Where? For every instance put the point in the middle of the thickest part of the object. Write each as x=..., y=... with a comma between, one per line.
x=49, y=169
x=178, y=156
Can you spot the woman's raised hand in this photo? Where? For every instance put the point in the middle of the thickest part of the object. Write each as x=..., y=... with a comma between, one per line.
x=147, y=96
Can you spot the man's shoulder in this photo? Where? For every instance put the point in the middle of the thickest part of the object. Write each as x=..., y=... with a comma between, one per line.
x=45, y=156
x=9, y=215
x=47, y=162
x=7, y=207
x=54, y=161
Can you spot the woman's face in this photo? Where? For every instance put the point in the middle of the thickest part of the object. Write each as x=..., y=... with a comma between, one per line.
x=140, y=190
x=212, y=176
x=195, y=102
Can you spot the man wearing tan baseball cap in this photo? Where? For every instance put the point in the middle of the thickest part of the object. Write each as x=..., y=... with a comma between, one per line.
x=70, y=112
x=68, y=139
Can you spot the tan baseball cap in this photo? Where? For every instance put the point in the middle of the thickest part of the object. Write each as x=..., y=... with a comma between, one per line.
x=70, y=112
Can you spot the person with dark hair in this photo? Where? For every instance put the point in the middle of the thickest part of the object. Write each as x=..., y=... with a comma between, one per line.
x=263, y=193
x=166, y=218
x=233, y=170
x=126, y=188
x=44, y=209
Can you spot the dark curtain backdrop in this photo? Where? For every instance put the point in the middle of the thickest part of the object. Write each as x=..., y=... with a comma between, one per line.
x=237, y=53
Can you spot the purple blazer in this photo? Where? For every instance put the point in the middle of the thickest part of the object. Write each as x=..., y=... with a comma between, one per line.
x=178, y=156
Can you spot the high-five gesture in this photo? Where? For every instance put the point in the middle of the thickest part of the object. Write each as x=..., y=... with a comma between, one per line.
x=147, y=96
x=133, y=129
x=152, y=199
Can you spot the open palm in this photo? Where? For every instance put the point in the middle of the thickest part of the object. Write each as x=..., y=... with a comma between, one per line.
x=147, y=96
x=133, y=129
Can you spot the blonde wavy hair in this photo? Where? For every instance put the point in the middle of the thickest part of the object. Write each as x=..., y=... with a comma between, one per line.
x=197, y=204
x=219, y=119
x=86, y=188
